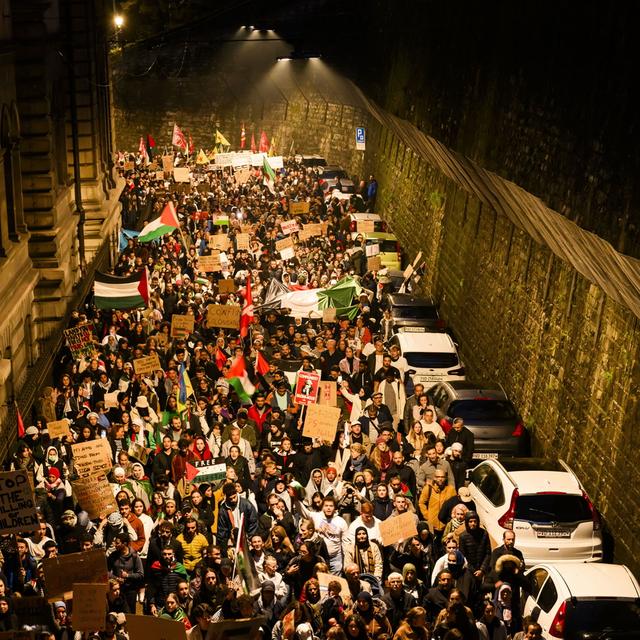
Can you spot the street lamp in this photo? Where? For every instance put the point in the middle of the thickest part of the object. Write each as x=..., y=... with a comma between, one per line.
x=118, y=20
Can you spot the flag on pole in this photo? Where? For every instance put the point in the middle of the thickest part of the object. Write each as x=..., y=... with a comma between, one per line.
x=247, y=310
x=261, y=366
x=221, y=143
x=243, y=137
x=191, y=145
x=178, y=138
x=253, y=143
x=221, y=358
x=244, y=568
x=142, y=150
x=264, y=143
x=269, y=176
x=166, y=223
x=272, y=147
x=202, y=158
x=151, y=145
x=112, y=292
x=238, y=378
x=20, y=422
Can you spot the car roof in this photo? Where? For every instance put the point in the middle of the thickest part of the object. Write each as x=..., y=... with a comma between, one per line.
x=531, y=482
x=426, y=341
x=379, y=235
x=409, y=300
x=365, y=216
x=595, y=579
x=464, y=390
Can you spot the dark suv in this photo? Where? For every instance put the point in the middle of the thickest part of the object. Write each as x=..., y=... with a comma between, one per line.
x=409, y=312
x=487, y=412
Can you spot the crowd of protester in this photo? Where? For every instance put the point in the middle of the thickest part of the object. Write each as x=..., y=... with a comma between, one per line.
x=308, y=508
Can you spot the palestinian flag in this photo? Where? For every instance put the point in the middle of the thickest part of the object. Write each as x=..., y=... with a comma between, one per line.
x=238, y=378
x=269, y=174
x=151, y=145
x=142, y=150
x=261, y=366
x=130, y=292
x=166, y=223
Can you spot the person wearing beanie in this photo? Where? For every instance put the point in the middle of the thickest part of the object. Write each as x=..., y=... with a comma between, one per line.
x=475, y=546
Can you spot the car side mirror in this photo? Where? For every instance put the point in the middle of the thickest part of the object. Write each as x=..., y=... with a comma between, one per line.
x=467, y=475
x=535, y=613
x=411, y=372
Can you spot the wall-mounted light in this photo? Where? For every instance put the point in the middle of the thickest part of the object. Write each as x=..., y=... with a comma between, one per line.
x=118, y=20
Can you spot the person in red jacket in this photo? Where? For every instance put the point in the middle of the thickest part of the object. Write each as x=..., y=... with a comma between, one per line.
x=124, y=506
x=259, y=411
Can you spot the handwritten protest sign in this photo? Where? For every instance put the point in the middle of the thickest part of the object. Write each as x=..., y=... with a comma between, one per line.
x=321, y=421
x=58, y=429
x=223, y=315
x=304, y=235
x=210, y=263
x=287, y=254
x=111, y=400
x=306, y=387
x=328, y=393
x=167, y=164
x=325, y=578
x=242, y=176
x=145, y=627
x=398, y=528
x=219, y=241
x=181, y=174
x=92, y=458
x=284, y=244
x=314, y=228
x=298, y=208
x=17, y=504
x=89, y=606
x=62, y=572
x=94, y=495
x=147, y=365
x=371, y=250
x=289, y=226
x=181, y=326
x=159, y=175
x=81, y=340
x=248, y=628
x=31, y=610
x=329, y=314
x=227, y=285
x=374, y=263
x=365, y=226
x=243, y=242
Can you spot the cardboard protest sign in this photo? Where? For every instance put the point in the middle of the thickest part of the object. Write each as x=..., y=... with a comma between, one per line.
x=159, y=175
x=129, y=166
x=328, y=393
x=89, y=606
x=223, y=315
x=371, y=250
x=219, y=241
x=81, y=340
x=58, y=429
x=31, y=610
x=289, y=226
x=167, y=164
x=365, y=226
x=298, y=208
x=321, y=421
x=329, y=314
x=111, y=400
x=307, y=387
x=228, y=285
x=314, y=228
x=181, y=174
x=62, y=572
x=287, y=254
x=398, y=528
x=17, y=504
x=304, y=235
x=242, y=176
x=211, y=263
x=243, y=242
x=92, y=458
x=147, y=365
x=181, y=326
x=325, y=578
x=374, y=263
x=248, y=628
x=407, y=272
x=94, y=495
x=138, y=451
x=145, y=627
x=286, y=243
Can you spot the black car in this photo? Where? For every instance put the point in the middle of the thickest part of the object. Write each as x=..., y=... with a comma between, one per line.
x=413, y=313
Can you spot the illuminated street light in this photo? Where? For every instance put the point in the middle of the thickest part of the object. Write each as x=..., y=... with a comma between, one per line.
x=118, y=20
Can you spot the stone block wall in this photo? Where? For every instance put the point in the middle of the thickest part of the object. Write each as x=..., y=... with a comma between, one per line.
x=565, y=353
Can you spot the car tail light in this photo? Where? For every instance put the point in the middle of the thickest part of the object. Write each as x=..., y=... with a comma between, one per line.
x=518, y=431
x=456, y=372
x=557, y=626
x=353, y=226
x=399, y=252
x=445, y=424
x=506, y=521
x=597, y=523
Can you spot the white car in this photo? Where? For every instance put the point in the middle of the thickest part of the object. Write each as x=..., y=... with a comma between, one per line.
x=432, y=357
x=581, y=601
x=543, y=503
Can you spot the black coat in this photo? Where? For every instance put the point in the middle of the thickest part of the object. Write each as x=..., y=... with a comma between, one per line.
x=476, y=548
x=466, y=438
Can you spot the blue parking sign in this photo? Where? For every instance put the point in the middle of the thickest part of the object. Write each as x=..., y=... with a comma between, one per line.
x=360, y=139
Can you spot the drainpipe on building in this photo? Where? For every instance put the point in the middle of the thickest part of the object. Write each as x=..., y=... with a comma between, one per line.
x=75, y=136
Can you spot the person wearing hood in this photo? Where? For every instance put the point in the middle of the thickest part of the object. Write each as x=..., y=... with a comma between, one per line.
x=475, y=546
x=412, y=584
x=364, y=553
x=69, y=533
x=463, y=578
x=509, y=569
x=373, y=612
x=108, y=528
x=315, y=485
x=52, y=459
x=382, y=504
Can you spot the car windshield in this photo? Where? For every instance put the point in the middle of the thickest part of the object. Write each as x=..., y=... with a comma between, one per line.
x=602, y=615
x=482, y=410
x=432, y=360
x=388, y=246
x=547, y=508
x=332, y=174
x=415, y=313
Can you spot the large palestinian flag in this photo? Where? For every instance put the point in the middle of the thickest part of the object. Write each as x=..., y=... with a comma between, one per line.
x=130, y=292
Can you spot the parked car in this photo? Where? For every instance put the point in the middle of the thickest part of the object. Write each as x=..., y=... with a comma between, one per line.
x=329, y=176
x=310, y=161
x=412, y=313
x=379, y=225
x=387, y=247
x=583, y=601
x=487, y=412
x=543, y=502
x=432, y=357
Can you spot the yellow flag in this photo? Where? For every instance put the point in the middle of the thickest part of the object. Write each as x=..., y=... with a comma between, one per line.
x=221, y=140
x=202, y=158
x=272, y=147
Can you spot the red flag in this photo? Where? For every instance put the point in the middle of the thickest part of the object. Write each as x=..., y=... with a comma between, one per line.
x=178, y=138
x=190, y=472
x=191, y=147
x=151, y=145
x=243, y=137
x=19, y=421
x=262, y=366
x=264, y=143
x=253, y=143
x=142, y=149
x=221, y=358
x=247, y=310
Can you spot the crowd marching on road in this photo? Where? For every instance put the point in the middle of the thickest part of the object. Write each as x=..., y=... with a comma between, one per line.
x=223, y=502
